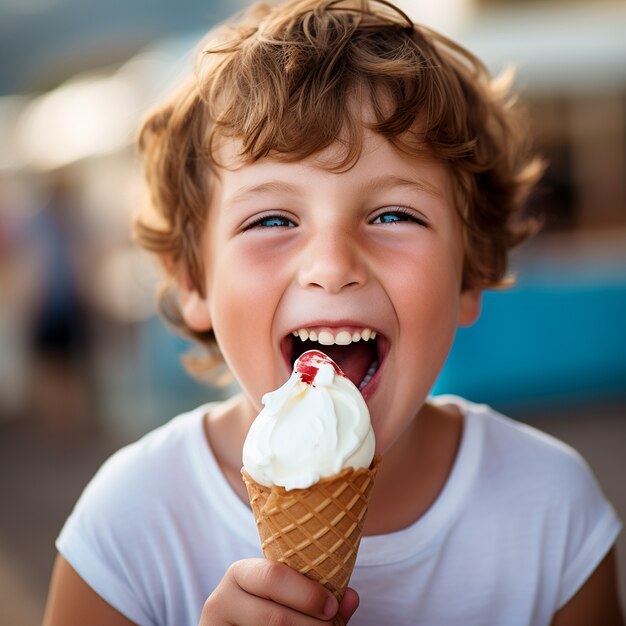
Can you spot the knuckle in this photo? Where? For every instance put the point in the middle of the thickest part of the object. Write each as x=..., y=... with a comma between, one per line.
x=213, y=602
x=208, y=610
x=214, y=605
x=231, y=571
x=236, y=573
x=272, y=575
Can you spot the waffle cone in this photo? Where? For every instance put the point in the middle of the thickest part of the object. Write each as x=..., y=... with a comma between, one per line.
x=317, y=530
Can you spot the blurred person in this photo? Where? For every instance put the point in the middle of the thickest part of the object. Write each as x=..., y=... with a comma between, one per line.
x=12, y=371
x=59, y=334
x=334, y=168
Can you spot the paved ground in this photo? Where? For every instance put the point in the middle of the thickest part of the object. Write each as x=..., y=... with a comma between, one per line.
x=40, y=480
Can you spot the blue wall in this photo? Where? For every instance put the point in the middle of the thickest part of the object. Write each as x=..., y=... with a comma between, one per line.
x=549, y=338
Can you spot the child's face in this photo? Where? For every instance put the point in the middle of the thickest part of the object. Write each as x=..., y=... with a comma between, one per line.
x=292, y=246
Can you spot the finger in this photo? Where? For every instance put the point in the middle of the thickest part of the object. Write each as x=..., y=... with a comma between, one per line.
x=349, y=604
x=249, y=610
x=279, y=583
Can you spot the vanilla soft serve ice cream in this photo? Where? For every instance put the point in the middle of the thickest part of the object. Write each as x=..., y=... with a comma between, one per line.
x=313, y=427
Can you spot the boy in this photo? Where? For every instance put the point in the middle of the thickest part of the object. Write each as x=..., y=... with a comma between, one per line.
x=334, y=171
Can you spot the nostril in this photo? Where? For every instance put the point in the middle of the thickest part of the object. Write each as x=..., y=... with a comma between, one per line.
x=332, y=270
x=334, y=287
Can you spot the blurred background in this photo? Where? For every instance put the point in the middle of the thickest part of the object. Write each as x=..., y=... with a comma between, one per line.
x=86, y=365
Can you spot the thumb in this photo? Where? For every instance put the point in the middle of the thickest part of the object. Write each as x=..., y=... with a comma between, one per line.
x=348, y=605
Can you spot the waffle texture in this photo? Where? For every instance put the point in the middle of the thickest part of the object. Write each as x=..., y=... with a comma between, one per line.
x=317, y=530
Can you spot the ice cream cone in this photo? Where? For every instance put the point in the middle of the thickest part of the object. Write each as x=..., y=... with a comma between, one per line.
x=316, y=530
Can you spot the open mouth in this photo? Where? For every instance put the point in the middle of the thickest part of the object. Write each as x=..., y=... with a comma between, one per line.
x=359, y=352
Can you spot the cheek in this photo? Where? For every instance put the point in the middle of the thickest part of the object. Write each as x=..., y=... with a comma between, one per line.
x=243, y=275
x=427, y=301
x=428, y=279
x=241, y=318
x=241, y=297
x=244, y=290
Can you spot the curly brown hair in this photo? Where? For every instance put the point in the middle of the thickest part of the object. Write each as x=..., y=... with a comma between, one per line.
x=281, y=80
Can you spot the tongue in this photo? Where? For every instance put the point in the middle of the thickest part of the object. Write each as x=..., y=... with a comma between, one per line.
x=354, y=359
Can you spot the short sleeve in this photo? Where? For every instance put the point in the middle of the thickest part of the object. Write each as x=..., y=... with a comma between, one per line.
x=99, y=534
x=158, y=525
x=592, y=528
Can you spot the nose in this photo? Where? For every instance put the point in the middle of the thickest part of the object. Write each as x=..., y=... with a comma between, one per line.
x=332, y=262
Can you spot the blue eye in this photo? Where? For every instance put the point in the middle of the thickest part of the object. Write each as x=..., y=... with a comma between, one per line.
x=390, y=218
x=275, y=221
x=272, y=221
x=396, y=216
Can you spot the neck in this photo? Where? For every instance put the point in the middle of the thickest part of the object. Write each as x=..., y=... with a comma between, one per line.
x=414, y=470
x=410, y=478
x=225, y=430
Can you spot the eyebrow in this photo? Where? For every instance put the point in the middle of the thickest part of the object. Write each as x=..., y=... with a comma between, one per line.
x=275, y=186
x=391, y=180
x=374, y=184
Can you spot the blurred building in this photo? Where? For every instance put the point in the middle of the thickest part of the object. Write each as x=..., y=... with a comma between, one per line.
x=570, y=59
x=557, y=336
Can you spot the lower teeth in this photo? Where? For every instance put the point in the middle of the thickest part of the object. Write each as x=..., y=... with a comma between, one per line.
x=368, y=376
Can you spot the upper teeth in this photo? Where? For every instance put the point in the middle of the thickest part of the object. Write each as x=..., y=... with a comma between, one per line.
x=342, y=338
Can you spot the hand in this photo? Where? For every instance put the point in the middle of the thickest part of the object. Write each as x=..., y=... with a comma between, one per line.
x=259, y=591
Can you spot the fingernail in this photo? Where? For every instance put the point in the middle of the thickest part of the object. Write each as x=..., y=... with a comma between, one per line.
x=331, y=606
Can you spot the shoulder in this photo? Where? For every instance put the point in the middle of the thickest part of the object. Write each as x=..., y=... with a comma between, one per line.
x=138, y=482
x=515, y=447
x=537, y=500
x=515, y=462
x=130, y=505
x=147, y=463
x=545, y=484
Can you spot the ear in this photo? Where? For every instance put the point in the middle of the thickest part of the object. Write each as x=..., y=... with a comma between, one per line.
x=193, y=306
x=194, y=309
x=469, y=306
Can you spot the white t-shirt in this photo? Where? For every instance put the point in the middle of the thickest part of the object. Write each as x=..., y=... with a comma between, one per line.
x=517, y=529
